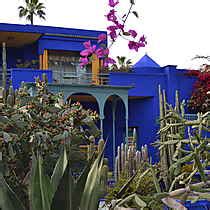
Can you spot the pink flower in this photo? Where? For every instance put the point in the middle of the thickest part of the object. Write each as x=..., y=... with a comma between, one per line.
x=113, y=33
x=133, y=33
x=136, y=45
x=143, y=40
x=108, y=61
x=87, y=44
x=83, y=61
x=85, y=52
x=106, y=51
x=101, y=52
x=89, y=49
x=113, y=3
x=133, y=45
x=119, y=26
x=101, y=38
x=111, y=15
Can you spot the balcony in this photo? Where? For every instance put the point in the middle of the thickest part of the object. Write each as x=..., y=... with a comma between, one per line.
x=16, y=75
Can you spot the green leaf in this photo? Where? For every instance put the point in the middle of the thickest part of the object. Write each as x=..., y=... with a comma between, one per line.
x=126, y=199
x=63, y=196
x=136, y=14
x=90, y=195
x=140, y=202
x=80, y=183
x=59, y=170
x=172, y=203
x=41, y=189
x=8, y=199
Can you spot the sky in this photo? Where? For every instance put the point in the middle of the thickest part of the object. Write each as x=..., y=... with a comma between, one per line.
x=176, y=30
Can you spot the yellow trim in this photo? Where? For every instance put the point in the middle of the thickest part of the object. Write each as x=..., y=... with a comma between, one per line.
x=40, y=61
x=95, y=70
x=45, y=60
x=46, y=64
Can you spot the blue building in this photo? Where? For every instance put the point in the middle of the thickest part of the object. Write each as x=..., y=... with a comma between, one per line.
x=124, y=100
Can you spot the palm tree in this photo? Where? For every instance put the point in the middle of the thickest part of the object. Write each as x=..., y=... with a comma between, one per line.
x=32, y=7
x=123, y=64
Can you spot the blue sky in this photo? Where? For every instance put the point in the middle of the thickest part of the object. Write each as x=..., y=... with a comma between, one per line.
x=176, y=30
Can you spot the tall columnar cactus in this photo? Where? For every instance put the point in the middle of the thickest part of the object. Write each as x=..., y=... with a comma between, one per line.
x=129, y=160
x=4, y=72
x=4, y=65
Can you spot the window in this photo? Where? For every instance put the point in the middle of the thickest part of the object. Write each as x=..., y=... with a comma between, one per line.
x=66, y=68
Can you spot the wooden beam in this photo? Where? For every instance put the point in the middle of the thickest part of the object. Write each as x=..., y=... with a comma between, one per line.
x=40, y=61
x=95, y=70
x=45, y=60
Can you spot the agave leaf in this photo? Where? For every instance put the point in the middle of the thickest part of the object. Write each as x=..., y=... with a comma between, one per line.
x=96, y=190
x=92, y=182
x=125, y=186
x=63, y=196
x=172, y=203
x=80, y=183
x=126, y=199
x=140, y=202
x=41, y=189
x=59, y=170
x=8, y=199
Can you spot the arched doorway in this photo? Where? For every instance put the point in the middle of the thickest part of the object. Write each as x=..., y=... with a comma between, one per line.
x=115, y=125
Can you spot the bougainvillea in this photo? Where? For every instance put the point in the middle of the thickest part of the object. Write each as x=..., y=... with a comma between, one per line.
x=200, y=98
x=116, y=28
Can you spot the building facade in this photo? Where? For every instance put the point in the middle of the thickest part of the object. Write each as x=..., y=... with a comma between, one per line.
x=124, y=100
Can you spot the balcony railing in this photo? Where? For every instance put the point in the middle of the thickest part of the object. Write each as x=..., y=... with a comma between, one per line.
x=17, y=75
x=80, y=78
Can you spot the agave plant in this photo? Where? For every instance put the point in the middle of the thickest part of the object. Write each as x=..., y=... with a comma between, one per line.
x=59, y=190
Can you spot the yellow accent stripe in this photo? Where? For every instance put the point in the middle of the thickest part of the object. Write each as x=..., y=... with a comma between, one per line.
x=40, y=61
x=95, y=70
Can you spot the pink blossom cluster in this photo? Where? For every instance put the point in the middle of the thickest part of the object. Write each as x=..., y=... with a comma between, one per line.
x=100, y=51
x=117, y=28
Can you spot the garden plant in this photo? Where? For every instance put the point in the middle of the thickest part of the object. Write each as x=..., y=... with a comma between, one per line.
x=181, y=173
x=41, y=163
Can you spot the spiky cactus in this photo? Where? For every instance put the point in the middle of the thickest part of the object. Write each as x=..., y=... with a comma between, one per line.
x=129, y=160
x=173, y=139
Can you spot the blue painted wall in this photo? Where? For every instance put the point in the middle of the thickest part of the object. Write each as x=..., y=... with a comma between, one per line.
x=144, y=109
x=27, y=75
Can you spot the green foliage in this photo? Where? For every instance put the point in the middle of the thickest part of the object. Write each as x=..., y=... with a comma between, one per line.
x=140, y=186
x=42, y=123
x=123, y=64
x=32, y=8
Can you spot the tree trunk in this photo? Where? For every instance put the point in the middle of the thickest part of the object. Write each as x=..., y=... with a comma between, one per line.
x=32, y=19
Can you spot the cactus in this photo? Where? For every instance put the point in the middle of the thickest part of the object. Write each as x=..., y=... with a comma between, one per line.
x=91, y=147
x=129, y=160
x=11, y=97
x=172, y=137
x=100, y=145
x=4, y=66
